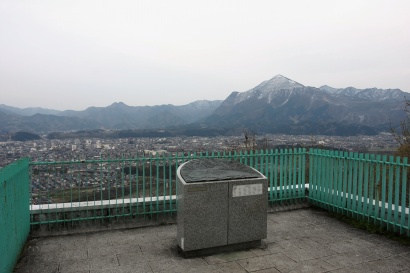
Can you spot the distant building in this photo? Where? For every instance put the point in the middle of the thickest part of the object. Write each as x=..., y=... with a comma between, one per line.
x=155, y=153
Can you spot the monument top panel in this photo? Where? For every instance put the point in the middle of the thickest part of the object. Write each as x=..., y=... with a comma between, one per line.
x=209, y=170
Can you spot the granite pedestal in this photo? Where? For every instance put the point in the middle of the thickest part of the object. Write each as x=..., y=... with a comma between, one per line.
x=222, y=205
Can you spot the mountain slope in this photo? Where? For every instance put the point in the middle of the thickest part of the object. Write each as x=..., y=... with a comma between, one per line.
x=116, y=116
x=43, y=123
x=281, y=105
x=121, y=116
x=373, y=94
x=27, y=111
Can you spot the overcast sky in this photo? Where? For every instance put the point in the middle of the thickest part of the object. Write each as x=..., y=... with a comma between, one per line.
x=75, y=54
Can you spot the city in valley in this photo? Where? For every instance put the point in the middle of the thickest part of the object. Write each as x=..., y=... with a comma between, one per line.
x=52, y=150
x=86, y=169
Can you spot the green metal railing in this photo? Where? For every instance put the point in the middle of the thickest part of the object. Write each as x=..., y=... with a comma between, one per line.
x=372, y=188
x=14, y=212
x=72, y=191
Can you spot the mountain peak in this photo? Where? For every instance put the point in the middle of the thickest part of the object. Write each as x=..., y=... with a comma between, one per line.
x=280, y=79
x=278, y=82
x=118, y=104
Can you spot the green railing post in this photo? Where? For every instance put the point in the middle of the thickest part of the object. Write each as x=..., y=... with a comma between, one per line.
x=360, y=200
x=390, y=192
x=275, y=175
x=403, y=197
x=396, y=194
x=377, y=188
x=312, y=182
x=14, y=211
x=383, y=194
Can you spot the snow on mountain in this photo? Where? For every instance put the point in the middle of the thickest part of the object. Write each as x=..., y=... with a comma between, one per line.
x=281, y=105
x=267, y=89
x=373, y=94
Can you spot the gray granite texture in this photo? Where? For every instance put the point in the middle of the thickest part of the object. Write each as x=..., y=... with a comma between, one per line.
x=206, y=170
x=219, y=213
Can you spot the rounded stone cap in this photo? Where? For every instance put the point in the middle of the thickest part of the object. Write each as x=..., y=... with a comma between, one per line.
x=209, y=170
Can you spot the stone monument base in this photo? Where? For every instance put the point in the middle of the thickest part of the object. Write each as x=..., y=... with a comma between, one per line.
x=219, y=249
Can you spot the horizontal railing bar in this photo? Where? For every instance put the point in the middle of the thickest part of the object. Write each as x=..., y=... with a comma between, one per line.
x=112, y=203
x=103, y=217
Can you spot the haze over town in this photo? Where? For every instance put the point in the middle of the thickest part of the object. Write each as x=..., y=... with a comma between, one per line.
x=72, y=55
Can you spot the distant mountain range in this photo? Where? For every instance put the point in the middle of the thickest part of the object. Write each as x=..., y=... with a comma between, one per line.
x=281, y=105
x=115, y=116
x=278, y=105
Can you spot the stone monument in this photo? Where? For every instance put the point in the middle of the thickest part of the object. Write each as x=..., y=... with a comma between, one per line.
x=222, y=206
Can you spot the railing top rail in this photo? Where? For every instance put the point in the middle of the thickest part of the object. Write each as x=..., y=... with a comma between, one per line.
x=364, y=157
x=190, y=155
x=355, y=156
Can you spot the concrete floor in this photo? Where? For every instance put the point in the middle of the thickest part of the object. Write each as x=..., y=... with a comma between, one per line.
x=304, y=240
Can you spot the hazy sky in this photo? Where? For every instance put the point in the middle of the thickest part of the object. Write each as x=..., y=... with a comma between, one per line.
x=75, y=54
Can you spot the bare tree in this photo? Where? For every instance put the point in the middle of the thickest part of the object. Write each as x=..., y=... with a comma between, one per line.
x=401, y=133
x=250, y=139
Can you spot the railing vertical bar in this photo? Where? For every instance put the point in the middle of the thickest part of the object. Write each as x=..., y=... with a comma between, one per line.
x=322, y=175
x=383, y=188
x=122, y=186
x=324, y=180
x=86, y=188
x=350, y=184
x=377, y=191
x=270, y=177
x=294, y=155
x=366, y=189
x=251, y=158
x=157, y=186
x=71, y=192
x=256, y=161
x=164, y=183
x=275, y=176
x=267, y=164
x=281, y=163
x=340, y=182
x=130, y=188
x=312, y=192
x=54, y=186
x=101, y=188
x=137, y=185
x=390, y=192
x=371, y=186
x=360, y=187
x=170, y=162
x=288, y=174
x=397, y=194
x=316, y=176
x=355, y=182
x=331, y=180
x=300, y=166
x=403, y=197
x=115, y=184
x=150, y=186
x=143, y=185
x=334, y=182
x=30, y=175
x=344, y=166
x=408, y=196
